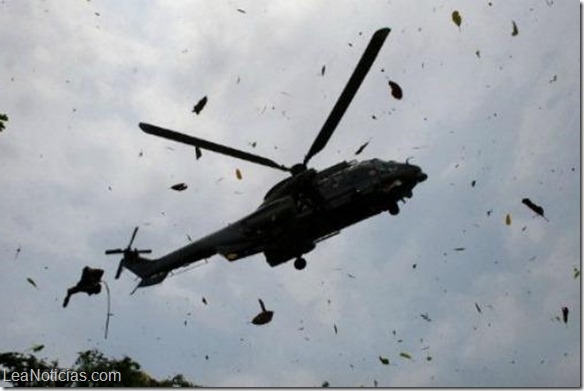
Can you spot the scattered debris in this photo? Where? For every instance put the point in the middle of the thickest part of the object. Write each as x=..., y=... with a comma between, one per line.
x=565, y=313
x=473, y=183
x=323, y=70
x=31, y=282
x=37, y=348
x=204, y=301
x=460, y=249
x=508, y=219
x=361, y=148
x=576, y=273
x=456, y=18
x=200, y=105
x=553, y=79
x=325, y=384
x=240, y=10
x=425, y=317
x=3, y=119
x=17, y=252
x=198, y=153
x=478, y=53
x=478, y=308
x=89, y=283
x=238, y=174
x=515, y=31
x=536, y=208
x=396, y=90
x=264, y=316
x=336, y=330
x=384, y=360
x=405, y=355
x=189, y=238
x=179, y=186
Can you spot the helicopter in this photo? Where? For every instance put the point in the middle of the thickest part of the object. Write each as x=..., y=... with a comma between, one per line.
x=298, y=212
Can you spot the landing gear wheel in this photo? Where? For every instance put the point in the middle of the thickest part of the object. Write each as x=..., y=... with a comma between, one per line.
x=393, y=209
x=300, y=263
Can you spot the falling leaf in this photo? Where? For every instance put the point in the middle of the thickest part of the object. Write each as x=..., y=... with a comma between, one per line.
x=37, y=348
x=361, y=148
x=473, y=183
x=515, y=31
x=31, y=282
x=189, y=238
x=536, y=208
x=508, y=219
x=241, y=11
x=576, y=273
x=3, y=118
x=198, y=153
x=478, y=308
x=384, y=361
x=405, y=355
x=396, y=90
x=456, y=18
x=204, y=301
x=238, y=173
x=565, y=313
x=179, y=187
x=335, y=327
x=200, y=105
x=323, y=70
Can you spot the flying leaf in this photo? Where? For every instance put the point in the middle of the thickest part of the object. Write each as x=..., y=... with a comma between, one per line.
x=200, y=105
x=361, y=148
x=508, y=219
x=478, y=308
x=384, y=360
x=37, y=348
x=179, y=187
x=426, y=317
x=240, y=10
x=198, y=153
x=238, y=174
x=323, y=70
x=515, y=31
x=576, y=273
x=565, y=313
x=396, y=90
x=204, y=301
x=459, y=249
x=456, y=18
x=3, y=118
x=335, y=327
x=31, y=282
x=405, y=355
x=536, y=208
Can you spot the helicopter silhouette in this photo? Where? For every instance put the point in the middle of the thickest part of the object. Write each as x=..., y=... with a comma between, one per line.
x=307, y=207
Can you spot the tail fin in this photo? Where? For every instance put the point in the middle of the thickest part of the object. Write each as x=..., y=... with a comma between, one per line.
x=143, y=268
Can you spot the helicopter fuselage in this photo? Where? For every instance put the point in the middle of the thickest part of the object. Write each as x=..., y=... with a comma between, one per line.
x=301, y=211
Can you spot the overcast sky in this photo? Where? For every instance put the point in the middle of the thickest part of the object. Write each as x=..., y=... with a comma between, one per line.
x=481, y=105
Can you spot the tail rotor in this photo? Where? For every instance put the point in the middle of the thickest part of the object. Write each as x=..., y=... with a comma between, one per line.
x=130, y=254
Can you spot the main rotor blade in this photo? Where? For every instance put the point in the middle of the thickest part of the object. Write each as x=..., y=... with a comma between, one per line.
x=133, y=237
x=116, y=251
x=203, y=144
x=349, y=92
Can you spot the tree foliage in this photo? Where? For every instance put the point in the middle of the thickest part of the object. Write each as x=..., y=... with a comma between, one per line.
x=88, y=362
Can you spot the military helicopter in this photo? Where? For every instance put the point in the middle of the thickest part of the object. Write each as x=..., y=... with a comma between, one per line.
x=307, y=207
